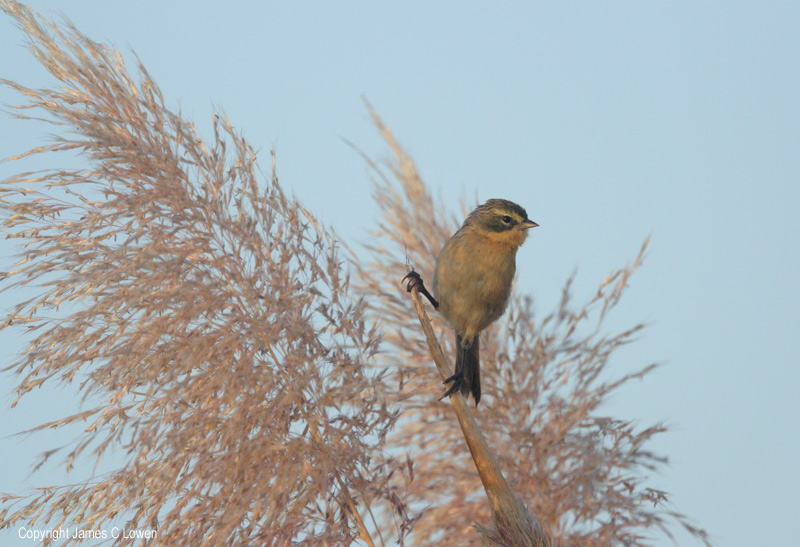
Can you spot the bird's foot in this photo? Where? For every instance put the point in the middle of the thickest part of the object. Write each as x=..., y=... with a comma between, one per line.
x=415, y=282
x=458, y=381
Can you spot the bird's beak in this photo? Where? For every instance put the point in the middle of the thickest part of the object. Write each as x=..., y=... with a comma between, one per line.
x=528, y=224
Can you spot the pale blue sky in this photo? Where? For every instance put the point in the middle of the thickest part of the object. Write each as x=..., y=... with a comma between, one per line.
x=608, y=121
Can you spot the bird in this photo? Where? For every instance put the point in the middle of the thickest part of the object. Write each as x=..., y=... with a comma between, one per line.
x=472, y=282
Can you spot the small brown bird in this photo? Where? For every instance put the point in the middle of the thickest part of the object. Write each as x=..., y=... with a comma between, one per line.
x=472, y=282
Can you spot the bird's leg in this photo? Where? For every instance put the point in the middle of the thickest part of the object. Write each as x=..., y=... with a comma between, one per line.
x=414, y=280
x=458, y=377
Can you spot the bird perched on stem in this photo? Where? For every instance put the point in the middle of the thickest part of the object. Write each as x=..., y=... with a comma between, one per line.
x=472, y=282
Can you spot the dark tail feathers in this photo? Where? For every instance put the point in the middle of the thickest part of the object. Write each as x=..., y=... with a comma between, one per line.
x=470, y=361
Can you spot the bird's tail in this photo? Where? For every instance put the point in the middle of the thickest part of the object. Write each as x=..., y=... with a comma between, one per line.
x=469, y=360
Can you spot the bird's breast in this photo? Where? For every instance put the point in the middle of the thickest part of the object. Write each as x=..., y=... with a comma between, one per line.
x=472, y=281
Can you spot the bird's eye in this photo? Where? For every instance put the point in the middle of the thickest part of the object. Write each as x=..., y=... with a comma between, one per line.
x=507, y=219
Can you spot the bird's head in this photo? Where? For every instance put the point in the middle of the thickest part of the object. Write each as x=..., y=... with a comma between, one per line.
x=502, y=221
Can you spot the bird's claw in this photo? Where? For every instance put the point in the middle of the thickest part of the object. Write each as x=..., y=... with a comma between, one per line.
x=415, y=282
x=458, y=381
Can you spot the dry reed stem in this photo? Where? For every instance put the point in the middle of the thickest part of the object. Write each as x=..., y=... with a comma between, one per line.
x=506, y=507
